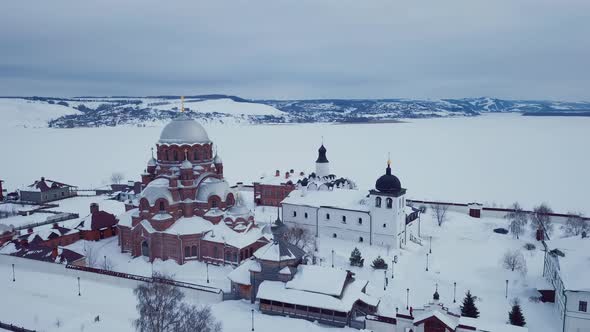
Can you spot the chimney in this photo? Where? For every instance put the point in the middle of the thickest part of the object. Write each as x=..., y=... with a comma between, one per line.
x=277, y=173
x=42, y=178
x=287, y=175
x=30, y=230
x=54, y=253
x=292, y=171
x=93, y=208
x=55, y=225
x=130, y=183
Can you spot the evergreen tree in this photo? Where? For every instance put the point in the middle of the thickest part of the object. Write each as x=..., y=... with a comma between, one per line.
x=515, y=315
x=468, y=309
x=379, y=263
x=356, y=259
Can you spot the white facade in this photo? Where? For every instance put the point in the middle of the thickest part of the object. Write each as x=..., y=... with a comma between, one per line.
x=571, y=305
x=322, y=169
x=348, y=215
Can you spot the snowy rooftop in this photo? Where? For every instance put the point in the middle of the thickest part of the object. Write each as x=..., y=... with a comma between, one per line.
x=276, y=291
x=482, y=325
x=348, y=199
x=575, y=266
x=277, y=251
x=318, y=279
x=241, y=274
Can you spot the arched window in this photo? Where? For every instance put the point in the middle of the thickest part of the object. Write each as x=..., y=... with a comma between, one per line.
x=175, y=155
x=294, y=213
x=344, y=219
x=361, y=239
x=389, y=203
x=334, y=235
x=214, y=252
x=360, y=221
x=327, y=216
x=384, y=225
x=167, y=155
x=187, y=252
x=162, y=206
x=213, y=203
x=194, y=251
x=196, y=155
x=378, y=202
x=305, y=215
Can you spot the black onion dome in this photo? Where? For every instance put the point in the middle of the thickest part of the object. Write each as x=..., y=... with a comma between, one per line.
x=388, y=183
x=322, y=155
x=436, y=297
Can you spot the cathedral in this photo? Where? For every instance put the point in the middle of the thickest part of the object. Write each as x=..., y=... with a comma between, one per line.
x=186, y=210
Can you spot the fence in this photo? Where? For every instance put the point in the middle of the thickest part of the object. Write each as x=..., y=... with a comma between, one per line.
x=486, y=212
x=11, y=327
x=61, y=216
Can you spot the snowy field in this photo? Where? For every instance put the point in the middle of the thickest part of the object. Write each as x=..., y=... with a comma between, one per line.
x=494, y=159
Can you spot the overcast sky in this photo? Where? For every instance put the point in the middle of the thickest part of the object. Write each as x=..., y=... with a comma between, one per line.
x=517, y=49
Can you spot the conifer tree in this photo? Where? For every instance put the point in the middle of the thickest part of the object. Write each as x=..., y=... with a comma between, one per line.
x=356, y=258
x=515, y=315
x=468, y=309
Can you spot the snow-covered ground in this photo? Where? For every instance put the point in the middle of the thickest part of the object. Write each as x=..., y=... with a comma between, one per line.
x=490, y=159
x=27, y=113
x=464, y=250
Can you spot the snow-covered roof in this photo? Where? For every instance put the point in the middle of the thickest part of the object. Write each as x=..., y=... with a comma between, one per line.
x=186, y=164
x=349, y=199
x=482, y=325
x=286, y=270
x=241, y=274
x=212, y=186
x=192, y=225
x=276, y=291
x=448, y=320
x=184, y=130
x=152, y=162
x=125, y=217
x=574, y=267
x=157, y=189
x=319, y=279
x=281, y=250
x=221, y=233
x=279, y=180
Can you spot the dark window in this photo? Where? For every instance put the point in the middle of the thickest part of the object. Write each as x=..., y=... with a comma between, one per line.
x=194, y=251
x=175, y=155
x=378, y=202
x=294, y=213
x=196, y=155
x=214, y=252
x=187, y=251
x=389, y=203
x=305, y=215
x=583, y=306
x=344, y=219
x=334, y=235
x=327, y=216
x=360, y=221
x=384, y=225
x=167, y=155
x=214, y=203
x=361, y=239
x=162, y=206
x=288, y=305
x=313, y=309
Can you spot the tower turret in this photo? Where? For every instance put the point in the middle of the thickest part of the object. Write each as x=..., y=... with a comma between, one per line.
x=322, y=165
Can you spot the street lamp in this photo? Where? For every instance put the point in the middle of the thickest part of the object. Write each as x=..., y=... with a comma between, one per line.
x=105, y=262
x=427, y=262
x=13, y=279
x=385, y=280
x=79, y=294
x=454, y=292
x=332, y=257
x=252, y=319
x=393, y=264
x=430, y=244
x=506, y=288
x=207, y=264
x=407, y=298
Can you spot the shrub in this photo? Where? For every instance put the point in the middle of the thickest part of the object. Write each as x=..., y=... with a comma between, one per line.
x=530, y=246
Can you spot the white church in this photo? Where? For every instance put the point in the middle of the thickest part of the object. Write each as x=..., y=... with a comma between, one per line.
x=380, y=217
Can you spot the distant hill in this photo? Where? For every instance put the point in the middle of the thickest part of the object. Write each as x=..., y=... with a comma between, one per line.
x=90, y=111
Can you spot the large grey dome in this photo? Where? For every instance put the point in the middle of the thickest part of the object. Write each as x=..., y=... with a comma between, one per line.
x=184, y=130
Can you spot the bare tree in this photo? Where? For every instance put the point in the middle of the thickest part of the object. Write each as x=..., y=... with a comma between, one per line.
x=301, y=237
x=576, y=224
x=517, y=219
x=117, y=177
x=91, y=257
x=162, y=309
x=439, y=212
x=514, y=260
x=541, y=219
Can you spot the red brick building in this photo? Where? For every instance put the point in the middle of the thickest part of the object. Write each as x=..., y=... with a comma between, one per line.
x=97, y=225
x=186, y=210
x=1, y=191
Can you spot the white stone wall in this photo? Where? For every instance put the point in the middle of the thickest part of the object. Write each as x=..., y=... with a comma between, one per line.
x=575, y=320
x=322, y=169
